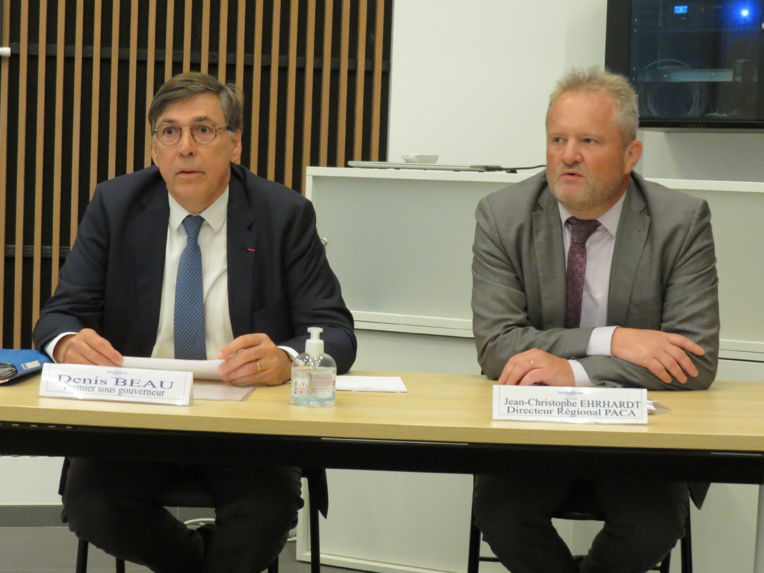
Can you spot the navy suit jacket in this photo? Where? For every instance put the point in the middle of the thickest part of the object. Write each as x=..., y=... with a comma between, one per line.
x=279, y=280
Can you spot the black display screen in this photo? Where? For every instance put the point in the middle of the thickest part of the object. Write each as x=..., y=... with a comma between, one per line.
x=694, y=63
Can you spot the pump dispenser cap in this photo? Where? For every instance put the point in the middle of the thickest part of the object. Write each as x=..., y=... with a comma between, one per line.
x=314, y=345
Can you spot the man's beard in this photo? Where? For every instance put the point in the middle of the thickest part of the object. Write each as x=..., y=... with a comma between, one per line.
x=594, y=193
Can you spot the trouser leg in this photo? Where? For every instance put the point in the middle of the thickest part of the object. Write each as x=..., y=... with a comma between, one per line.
x=255, y=509
x=643, y=521
x=513, y=511
x=111, y=504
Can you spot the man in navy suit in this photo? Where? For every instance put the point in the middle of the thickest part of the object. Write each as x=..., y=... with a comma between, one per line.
x=265, y=280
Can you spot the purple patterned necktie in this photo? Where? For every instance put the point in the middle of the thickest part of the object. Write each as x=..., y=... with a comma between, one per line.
x=574, y=280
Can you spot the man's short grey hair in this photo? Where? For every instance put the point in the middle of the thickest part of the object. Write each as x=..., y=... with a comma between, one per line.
x=596, y=80
x=188, y=85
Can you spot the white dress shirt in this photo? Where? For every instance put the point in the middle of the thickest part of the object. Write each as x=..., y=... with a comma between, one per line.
x=213, y=244
x=599, y=259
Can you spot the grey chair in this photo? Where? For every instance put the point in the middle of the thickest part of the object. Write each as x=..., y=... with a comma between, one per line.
x=581, y=508
x=191, y=494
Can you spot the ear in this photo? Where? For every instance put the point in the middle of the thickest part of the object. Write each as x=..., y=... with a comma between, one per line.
x=632, y=155
x=236, y=154
x=154, y=150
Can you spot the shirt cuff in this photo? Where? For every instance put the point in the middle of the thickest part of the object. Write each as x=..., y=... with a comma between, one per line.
x=291, y=351
x=579, y=374
x=599, y=341
x=51, y=346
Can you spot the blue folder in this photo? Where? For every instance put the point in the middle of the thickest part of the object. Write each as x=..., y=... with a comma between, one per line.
x=15, y=364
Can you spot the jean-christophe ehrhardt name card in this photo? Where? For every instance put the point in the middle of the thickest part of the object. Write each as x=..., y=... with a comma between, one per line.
x=116, y=384
x=566, y=404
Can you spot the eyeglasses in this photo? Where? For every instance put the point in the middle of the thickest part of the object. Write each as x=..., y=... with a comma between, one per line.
x=7, y=371
x=203, y=133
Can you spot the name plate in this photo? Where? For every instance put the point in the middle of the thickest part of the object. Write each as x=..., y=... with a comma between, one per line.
x=570, y=404
x=116, y=384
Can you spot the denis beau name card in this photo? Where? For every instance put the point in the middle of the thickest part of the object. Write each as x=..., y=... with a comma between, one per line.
x=116, y=384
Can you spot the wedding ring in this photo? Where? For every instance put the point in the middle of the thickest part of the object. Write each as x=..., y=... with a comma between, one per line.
x=258, y=366
x=533, y=365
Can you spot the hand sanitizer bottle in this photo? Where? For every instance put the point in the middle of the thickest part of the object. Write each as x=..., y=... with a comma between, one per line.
x=314, y=374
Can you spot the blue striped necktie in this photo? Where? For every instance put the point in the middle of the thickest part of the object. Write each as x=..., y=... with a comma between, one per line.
x=189, y=297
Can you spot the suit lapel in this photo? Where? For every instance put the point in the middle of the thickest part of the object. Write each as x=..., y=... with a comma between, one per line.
x=550, y=260
x=150, y=230
x=242, y=250
x=627, y=254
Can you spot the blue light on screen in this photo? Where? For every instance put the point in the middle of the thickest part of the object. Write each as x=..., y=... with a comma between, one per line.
x=680, y=9
x=743, y=12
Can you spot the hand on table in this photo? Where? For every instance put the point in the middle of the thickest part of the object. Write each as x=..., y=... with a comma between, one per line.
x=537, y=367
x=252, y=359
x=662, y=353
x=86, y=347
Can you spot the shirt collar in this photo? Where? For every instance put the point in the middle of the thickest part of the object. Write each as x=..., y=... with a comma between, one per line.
x=214, y=215
x=608, y=220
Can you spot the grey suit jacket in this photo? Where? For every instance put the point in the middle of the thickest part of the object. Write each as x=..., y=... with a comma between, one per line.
x=663, y=278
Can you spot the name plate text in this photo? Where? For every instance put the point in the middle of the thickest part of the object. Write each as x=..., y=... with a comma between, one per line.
x=116, y=384
x=570, y=404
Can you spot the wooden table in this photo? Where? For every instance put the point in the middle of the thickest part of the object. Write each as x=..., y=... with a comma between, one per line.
x=452, y=412
x=442, y=424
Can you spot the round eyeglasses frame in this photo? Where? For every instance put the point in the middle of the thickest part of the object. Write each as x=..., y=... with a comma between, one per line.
x=201, y=137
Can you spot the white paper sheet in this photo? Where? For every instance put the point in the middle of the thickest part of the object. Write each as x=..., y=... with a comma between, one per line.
x=218, y=391
x=371, y=383
x=201, y=369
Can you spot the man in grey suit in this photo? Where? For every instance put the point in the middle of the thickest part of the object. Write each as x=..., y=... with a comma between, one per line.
x=648, y=317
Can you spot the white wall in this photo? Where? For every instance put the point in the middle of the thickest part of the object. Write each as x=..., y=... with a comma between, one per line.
x=470, y=81
x=710, y=156
x=470, y=78
x=29, y=480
